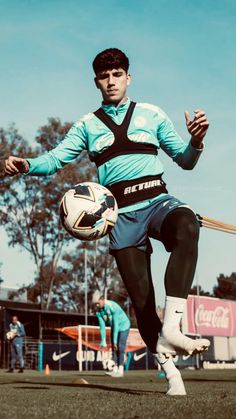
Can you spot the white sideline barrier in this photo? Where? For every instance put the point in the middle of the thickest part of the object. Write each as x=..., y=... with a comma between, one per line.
x=221, y=348
x=232, y=348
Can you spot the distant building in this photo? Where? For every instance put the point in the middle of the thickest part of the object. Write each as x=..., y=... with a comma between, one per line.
x=11, y=294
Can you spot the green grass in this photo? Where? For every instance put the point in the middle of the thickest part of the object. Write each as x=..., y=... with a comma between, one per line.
x=140, y=394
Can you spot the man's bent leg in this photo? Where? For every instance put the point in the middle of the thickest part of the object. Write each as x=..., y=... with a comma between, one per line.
x=180, y=233
x=135, y=270
x=114, y=358
x=134, y=267
x=123, y=336
x=122, y=339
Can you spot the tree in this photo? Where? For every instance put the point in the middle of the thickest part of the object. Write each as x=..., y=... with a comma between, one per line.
x=1, y=278
x=197, y=290
x=29, y=205
x=29, y=214
x=226, y=287
x=102, y=273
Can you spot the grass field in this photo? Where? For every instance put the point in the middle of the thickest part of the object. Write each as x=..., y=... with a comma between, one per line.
x=140, y=394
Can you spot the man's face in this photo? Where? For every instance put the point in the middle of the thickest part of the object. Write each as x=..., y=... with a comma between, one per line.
x=113, y=84
x=100, y=303
x=14, y=320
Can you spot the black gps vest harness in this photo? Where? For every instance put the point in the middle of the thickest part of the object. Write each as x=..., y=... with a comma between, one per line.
x=122, y=145
x=135, y=190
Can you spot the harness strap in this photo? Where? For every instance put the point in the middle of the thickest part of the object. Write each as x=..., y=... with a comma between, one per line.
x=122, y=144
x=115, y=128
x=136, y=190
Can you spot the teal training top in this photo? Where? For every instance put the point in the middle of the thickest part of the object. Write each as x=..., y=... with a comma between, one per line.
x=112, y=315
x=148, y=124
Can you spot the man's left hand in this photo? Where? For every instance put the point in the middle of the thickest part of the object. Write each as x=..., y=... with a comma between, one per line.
x=115, y=346
x=197, y=127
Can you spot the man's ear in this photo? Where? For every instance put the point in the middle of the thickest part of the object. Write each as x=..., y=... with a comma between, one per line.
x=129, y=78
x=96, y=82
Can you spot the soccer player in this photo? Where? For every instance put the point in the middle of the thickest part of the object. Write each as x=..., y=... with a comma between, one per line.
x=18, y=330
x=111, y=314
x=124, y=138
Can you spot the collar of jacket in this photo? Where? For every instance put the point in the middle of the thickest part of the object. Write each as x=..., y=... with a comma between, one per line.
x=113, y=110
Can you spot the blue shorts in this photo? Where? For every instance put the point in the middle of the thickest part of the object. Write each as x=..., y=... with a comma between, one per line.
x=134, y=228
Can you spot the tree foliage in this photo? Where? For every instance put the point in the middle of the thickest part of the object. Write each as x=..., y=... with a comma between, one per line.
x=1, y=278
x=29, y=214
x=226, y=287
x=198, y=290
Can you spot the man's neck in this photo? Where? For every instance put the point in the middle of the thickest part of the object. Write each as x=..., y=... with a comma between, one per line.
x=123, y=100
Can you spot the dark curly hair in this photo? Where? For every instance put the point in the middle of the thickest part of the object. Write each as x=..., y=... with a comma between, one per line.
x=110, y=58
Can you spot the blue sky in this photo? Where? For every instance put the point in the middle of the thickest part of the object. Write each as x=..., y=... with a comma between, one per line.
x=183, y=56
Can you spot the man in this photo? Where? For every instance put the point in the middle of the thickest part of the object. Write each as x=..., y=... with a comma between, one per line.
x=16, y=341
x=123, y=138
x=111, y=314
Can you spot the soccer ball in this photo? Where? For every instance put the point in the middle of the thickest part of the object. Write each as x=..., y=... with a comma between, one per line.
x=88, y=211
x=108, y=364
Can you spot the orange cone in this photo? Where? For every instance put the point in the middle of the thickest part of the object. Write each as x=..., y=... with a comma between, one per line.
x=47, y=370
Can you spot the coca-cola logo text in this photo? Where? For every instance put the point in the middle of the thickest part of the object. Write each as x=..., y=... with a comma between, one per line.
x=218, y=318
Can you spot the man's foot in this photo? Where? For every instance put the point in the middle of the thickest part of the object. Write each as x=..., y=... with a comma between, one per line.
x=10, y=370
x=163, y=347
x=116, y=374
x=173, y=376
x=109, y=372
x=21, y=370
x=182, y=344
x=176, y=386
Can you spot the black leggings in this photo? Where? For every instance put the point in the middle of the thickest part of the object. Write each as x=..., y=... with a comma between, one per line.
x=179, y=234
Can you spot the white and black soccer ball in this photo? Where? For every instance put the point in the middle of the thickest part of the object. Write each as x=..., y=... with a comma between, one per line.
x=88, y=211
x=108, y=364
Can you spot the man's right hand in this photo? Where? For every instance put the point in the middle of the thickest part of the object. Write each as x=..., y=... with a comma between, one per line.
x=102, y=348
x=15, y=165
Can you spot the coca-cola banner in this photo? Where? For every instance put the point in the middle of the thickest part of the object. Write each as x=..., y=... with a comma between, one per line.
x=211, y=316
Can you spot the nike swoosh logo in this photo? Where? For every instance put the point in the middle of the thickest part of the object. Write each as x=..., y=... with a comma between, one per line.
x=163, y=363
x=173, y=205
x=185, y=357
x=138, y=357
x=56, y=357
x=178, y=312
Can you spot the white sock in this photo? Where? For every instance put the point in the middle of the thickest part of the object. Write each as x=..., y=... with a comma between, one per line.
x=174, y=308
x=121, y=369
x=115, y=369
x=168, y=366
x=173, y=376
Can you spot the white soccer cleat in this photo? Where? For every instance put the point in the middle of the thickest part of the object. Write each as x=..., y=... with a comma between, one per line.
x=116, y=374
x=164, y=347
x=182, y=344
x=109, y=372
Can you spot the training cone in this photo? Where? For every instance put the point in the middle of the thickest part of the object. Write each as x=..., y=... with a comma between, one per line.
x=47, y=370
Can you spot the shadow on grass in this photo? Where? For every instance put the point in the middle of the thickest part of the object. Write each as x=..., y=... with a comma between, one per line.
x=207, y=380
x=77, y=385
x=30, y=388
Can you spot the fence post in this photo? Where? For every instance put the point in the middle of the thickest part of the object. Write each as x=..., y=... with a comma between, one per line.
x=40, y=357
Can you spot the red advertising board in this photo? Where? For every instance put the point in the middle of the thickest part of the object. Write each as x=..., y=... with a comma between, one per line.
x=211, y=316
